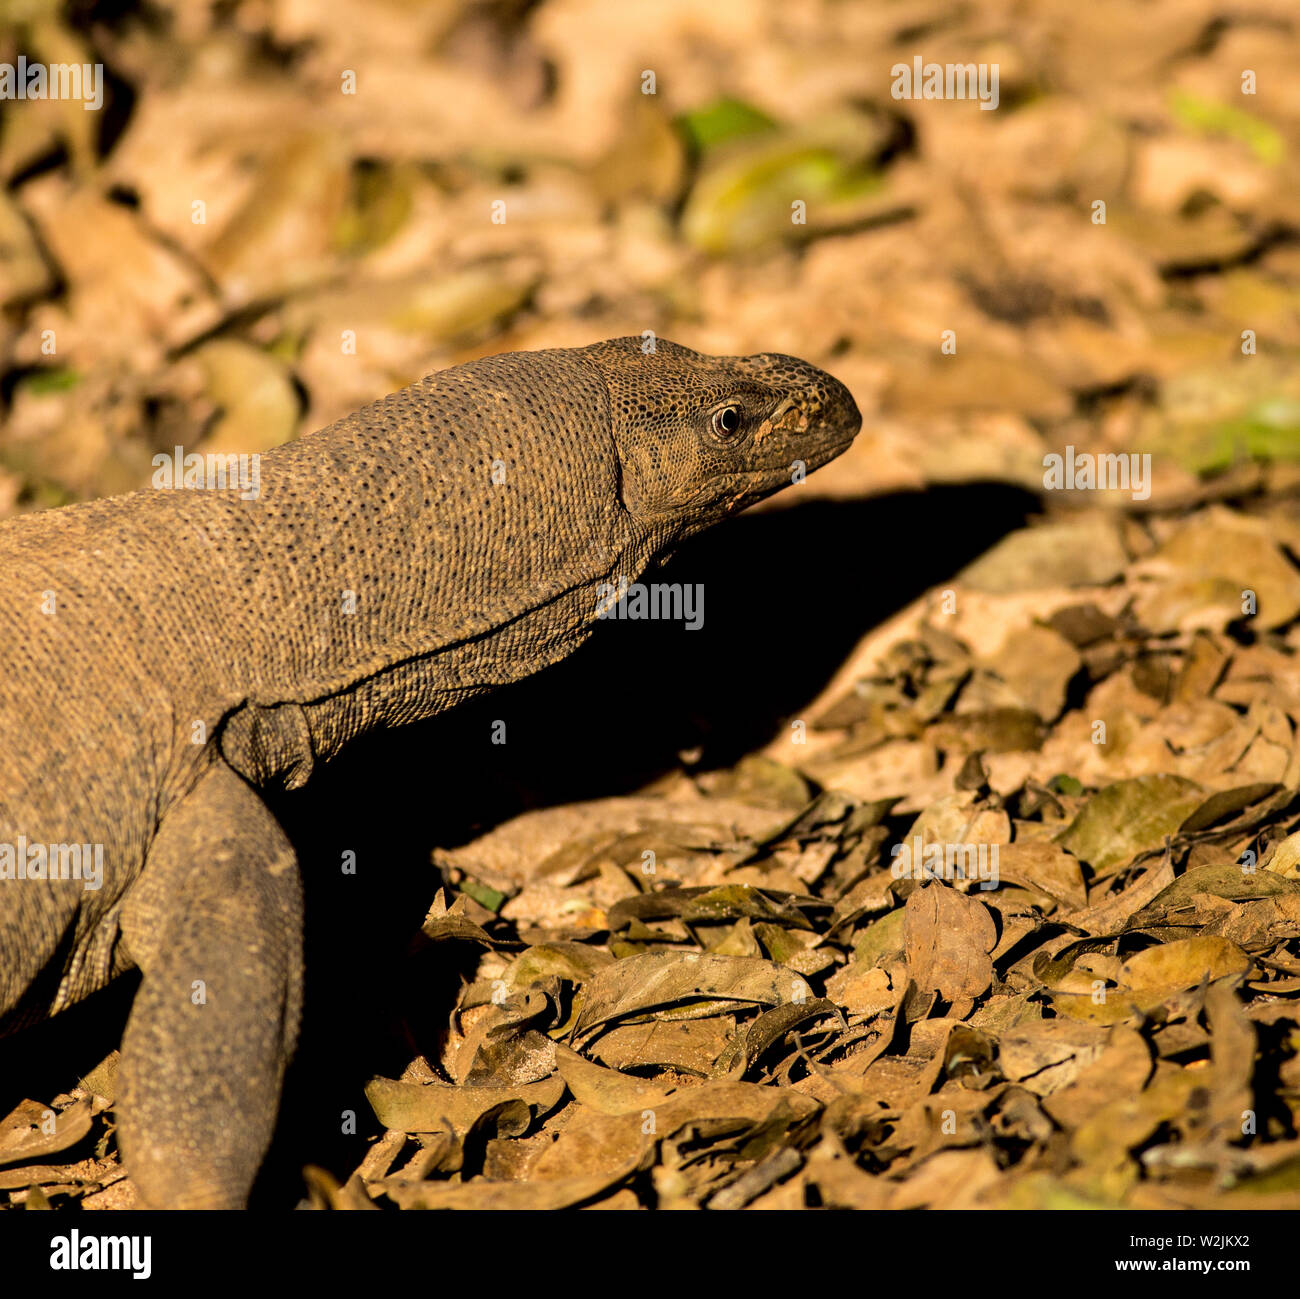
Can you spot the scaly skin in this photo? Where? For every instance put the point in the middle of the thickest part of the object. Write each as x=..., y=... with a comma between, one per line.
x=167, y=654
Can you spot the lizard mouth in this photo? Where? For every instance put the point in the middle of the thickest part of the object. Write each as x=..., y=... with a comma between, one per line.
x=774, y=478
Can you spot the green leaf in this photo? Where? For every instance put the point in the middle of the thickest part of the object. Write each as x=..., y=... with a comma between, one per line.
x=483, y=895
x=1213, y=118
x=722, y=120
x=43, y=382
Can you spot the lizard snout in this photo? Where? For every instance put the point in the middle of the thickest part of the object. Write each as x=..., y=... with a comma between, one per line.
x=817, y=404
x=839, y=412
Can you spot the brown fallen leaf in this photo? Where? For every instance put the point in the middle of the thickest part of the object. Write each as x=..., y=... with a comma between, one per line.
x=948, y=938
x=607, y=1091
x=700, y=984
x=1129, y=817
x=32, y=1131
x=536, y=1193
x=1183, y=964
x=1042, y=864
x=434, y=1107
x=688, y=1046
x=593, y=1141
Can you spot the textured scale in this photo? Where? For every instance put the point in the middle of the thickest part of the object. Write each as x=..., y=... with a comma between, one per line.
x=165, y=654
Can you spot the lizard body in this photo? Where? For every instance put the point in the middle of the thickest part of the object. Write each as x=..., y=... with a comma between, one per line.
x=165, y=655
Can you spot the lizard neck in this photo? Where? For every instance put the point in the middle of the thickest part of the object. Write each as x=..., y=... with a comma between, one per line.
x=379, y=581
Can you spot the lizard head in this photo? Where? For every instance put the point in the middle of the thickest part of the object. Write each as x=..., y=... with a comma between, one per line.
x=699, y=437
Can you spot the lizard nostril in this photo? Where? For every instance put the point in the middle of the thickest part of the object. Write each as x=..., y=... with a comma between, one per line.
x=794, y=415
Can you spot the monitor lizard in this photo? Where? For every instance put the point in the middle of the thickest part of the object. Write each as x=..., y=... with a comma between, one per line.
x=166, y=655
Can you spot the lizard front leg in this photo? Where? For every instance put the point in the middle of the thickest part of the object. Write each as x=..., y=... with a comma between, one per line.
x=215, y=924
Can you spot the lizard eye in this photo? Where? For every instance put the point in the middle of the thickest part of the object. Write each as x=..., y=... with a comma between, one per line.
x=726, y=422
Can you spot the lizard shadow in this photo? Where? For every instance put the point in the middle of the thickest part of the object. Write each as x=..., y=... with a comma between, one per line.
x=787, y=594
